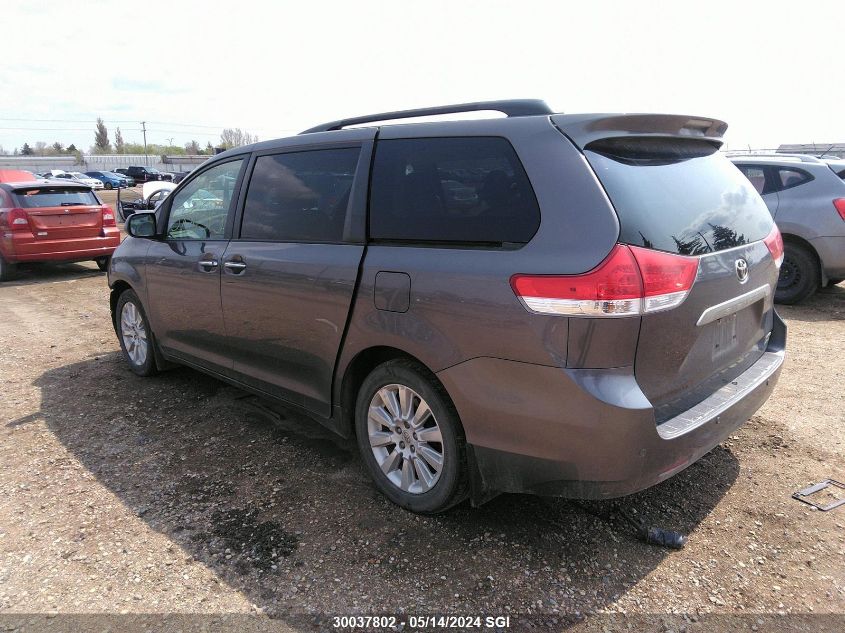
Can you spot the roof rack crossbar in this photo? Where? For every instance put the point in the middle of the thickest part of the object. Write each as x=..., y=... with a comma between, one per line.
x=509, y=107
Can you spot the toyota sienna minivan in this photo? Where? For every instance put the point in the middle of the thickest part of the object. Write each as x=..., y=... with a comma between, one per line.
x=571, y=305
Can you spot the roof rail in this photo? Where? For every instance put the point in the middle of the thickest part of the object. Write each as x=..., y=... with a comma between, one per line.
x=801, y=158
x=510, y=107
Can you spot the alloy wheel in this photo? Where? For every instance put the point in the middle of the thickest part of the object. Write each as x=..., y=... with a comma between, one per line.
x=405, y=438
x=134, y=333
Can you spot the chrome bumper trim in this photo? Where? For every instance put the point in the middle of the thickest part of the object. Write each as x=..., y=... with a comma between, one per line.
x=723, y=399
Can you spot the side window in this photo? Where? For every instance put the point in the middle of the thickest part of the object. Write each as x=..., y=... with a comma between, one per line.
x=465, y=190
x=199, y=210
x=299, y=196
x=791, y=178
x=756, y=175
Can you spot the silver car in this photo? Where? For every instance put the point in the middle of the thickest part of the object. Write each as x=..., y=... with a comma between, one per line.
x=806, y=196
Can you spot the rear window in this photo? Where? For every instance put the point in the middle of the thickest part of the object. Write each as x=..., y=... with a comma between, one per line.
x=678, y=195
x=451, y=190
x=39, y=197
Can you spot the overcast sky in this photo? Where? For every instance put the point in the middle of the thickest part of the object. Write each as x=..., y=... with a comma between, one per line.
x=773, y=71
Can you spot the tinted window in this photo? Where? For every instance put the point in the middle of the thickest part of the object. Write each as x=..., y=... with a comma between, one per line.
x=791, y=178
x=451, y=190
x=756, y=175
x=300, y=196
x=200, y=208
x=678, y=195
x=35, y=198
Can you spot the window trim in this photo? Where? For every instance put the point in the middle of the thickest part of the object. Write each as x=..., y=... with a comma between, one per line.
x=774, y=183
x=457, y=244
x=227, y=231
x=357, y=197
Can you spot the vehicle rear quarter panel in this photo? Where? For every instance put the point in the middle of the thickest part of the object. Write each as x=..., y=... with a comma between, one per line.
x=461, y=302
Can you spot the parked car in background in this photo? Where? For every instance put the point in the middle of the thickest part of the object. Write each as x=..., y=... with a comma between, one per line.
x=16, y=175
x=53, y=221
x=143, y=174
x=555, y=324
x=121, y=171
x=94, y=183
x=76, y=177
x=152, y=194
x=54, y=173
x=109, y=179
x=179, y=176
x=806, y=197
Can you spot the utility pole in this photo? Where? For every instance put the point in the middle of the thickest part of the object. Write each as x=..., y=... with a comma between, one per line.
x=144, y=130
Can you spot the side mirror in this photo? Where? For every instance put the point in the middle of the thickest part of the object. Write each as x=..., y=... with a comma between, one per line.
x=141, y=225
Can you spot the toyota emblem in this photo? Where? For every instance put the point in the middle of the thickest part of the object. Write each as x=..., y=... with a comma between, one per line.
x=741, y=267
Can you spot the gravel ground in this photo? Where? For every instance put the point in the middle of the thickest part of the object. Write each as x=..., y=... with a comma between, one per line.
x=180, y=494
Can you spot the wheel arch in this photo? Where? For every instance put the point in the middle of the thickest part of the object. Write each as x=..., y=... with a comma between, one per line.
x=117, y=289
x=792, y=238
x=361, y=365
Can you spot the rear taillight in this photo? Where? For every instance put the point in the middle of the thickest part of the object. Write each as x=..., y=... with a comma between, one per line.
x=667, y=278
x=108, y=217
x=631, y=280
x=17, y=219
x=839, y=203
x=774, y=242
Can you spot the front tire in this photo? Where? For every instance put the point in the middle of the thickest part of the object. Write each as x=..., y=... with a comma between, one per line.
x=103, y=263
x=134, y=333
x=799, y=275
x=410, y=438
x=108, y=185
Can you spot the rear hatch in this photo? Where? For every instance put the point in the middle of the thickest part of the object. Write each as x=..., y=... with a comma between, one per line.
x=674, y=192
x=57, y=212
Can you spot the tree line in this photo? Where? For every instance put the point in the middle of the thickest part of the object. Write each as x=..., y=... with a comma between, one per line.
x=229, y=137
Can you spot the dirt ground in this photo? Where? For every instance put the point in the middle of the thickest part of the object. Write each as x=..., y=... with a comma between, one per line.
x=181, y=495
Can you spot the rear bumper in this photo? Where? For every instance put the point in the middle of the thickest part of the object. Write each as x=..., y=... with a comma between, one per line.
x=586, y=433
x=26, y=248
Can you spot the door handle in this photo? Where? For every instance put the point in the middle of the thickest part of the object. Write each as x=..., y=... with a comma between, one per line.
x=207, y=265
x=236, y=268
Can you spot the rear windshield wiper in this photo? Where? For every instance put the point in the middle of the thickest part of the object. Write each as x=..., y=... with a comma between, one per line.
x=73, y=204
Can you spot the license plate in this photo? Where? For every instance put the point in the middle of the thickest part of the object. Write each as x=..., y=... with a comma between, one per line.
x=725, y=338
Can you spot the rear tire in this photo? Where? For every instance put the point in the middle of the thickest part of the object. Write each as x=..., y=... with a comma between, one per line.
x=133, y=331
x=103, y=263
x=108, y=185
x=410, y=438
x=799, y=275
x=7, y=271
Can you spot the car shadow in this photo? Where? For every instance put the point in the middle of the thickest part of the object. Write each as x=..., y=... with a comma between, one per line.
x=37, y=273
x=282, y=510
x=826, y=304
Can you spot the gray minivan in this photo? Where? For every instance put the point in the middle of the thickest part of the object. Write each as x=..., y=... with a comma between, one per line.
x=572, y=305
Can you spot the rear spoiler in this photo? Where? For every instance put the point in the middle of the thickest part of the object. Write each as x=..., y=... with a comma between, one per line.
x=583, y=129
